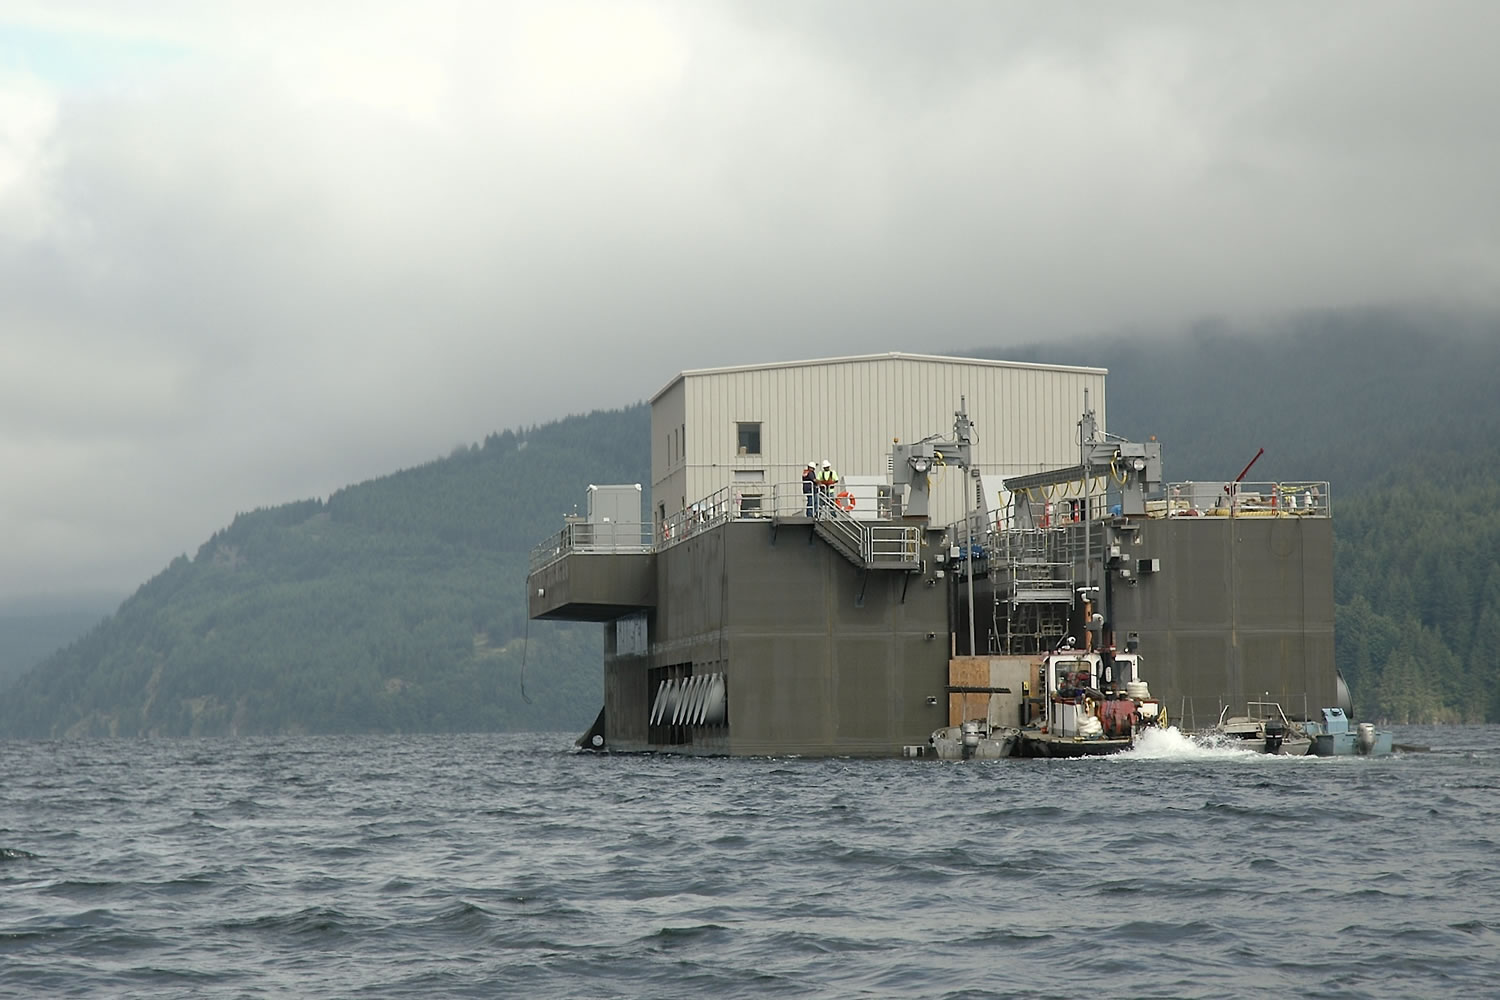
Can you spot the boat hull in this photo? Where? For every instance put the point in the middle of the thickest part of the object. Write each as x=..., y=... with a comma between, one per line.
x=949, y=744
x=1038, y=744
x=1265, y=730
x=1347, y=745
x=1333, y=736
x=1286, y=746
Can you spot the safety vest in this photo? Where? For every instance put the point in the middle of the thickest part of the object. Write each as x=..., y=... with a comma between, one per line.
x=828, y=477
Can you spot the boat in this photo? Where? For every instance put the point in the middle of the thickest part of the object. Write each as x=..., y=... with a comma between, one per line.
x=1089, y=704
x=1264, y=728
x=1332, y=737
x=974, y=740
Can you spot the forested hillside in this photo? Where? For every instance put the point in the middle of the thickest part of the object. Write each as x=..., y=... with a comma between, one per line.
x=394, y=605
x=399, y=605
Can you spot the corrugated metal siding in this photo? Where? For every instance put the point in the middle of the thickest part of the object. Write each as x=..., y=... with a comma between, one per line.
x=1025, y=418
x=669, y=481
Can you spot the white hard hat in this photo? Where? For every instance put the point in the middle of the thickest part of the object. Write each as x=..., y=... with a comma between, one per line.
x=827, y=464
x=812, y=463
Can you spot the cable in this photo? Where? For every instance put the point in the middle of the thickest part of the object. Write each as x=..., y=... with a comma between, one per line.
x=525, y=643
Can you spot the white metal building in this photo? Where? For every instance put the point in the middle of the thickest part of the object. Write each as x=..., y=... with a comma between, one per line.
x=749, y=427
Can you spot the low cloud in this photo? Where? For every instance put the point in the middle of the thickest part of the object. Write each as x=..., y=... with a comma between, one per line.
x=253, y=252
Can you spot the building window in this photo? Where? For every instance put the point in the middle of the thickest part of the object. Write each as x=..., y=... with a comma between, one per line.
x=682, y=437
x=749, y=442
x=750, y=505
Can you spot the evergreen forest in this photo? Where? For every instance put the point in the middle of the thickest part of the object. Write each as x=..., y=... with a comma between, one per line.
x=398, y=604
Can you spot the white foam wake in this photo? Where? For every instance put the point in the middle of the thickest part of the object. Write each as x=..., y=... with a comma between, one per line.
x=1173, y=744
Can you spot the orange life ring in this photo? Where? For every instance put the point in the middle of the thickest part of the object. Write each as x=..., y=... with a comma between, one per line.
x=845, y=500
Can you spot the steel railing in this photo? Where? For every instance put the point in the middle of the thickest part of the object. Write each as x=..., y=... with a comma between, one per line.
x=586, y=537
x=1261, y=499
x=720, y=506
x=874, y=543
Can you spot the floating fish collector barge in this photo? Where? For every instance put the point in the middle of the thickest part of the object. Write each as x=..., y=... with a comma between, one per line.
x=750, y=613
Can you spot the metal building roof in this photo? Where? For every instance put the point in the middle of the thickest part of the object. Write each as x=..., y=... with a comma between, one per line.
x=889, y=356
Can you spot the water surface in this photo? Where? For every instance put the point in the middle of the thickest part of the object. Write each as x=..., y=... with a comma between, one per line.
x=493, y=866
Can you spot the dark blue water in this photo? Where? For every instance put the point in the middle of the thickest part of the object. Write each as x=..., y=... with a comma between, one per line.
x=508, y=866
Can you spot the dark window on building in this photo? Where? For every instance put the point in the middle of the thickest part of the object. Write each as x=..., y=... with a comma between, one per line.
x=749, y=443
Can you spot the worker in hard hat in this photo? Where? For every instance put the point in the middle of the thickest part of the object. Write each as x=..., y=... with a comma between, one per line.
x=828, y=481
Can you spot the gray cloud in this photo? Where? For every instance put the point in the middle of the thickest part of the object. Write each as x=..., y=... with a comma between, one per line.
x=280, y=249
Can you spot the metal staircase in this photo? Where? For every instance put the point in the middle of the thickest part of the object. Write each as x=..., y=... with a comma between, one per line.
x=869, y=544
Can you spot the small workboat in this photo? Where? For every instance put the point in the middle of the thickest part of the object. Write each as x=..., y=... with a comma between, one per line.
x=1263, y=728
x=1332, y=737
x=974, y=740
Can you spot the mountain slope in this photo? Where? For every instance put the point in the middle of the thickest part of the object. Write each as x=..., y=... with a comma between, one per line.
x=396, y=605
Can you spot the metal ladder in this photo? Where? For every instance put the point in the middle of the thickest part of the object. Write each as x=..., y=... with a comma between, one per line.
x=1038, y=600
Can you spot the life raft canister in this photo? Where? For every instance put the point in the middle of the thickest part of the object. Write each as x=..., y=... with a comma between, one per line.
x=845, y=500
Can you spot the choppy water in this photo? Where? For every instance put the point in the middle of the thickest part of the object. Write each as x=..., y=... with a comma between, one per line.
x=508, y=866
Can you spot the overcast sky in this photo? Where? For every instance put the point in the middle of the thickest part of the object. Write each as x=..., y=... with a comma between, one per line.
x=254, y=252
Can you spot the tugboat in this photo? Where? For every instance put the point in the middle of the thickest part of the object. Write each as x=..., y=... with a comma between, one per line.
x=1088, y=704
x=1091, y=704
